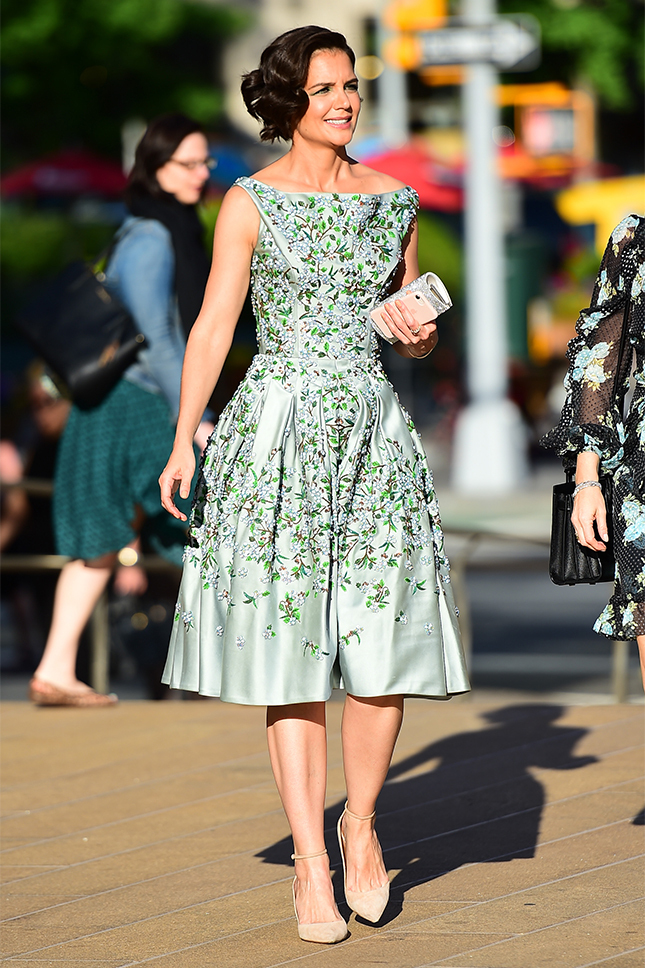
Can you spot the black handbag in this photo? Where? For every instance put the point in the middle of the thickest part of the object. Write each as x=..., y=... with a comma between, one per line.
x=569, y=562
x=82, y=332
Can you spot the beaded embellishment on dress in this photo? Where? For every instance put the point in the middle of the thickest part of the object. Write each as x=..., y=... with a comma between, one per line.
x=316, y=553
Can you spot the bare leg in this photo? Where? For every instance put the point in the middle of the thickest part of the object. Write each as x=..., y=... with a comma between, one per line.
x=370, y=730
x=640, y=639
x=78, y=590
x=297, y=739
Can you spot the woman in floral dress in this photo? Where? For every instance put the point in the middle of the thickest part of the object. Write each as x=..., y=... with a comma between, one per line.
x=602, y=431
x=316, y=555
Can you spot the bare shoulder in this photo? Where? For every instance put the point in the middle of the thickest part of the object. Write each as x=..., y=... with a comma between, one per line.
x=238, y=216
x=237, y=199
x=238, y=204
x=272, y=174
x=375, y=182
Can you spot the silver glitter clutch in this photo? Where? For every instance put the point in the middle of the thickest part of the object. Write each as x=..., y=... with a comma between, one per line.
x=429, y=285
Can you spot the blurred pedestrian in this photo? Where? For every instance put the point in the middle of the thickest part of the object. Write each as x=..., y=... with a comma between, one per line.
x=110, y=456
x=316, y=549
x=31, y=452
x=602, y=431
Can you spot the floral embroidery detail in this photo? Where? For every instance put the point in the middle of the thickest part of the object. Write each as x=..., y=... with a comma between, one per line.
x=314, y=490
x=378, y=595
x=314, y=650
x=428, y=628
x=187, y=619
x=344, y=639
x=219, y=630
x=291, y=605
x=251, y=598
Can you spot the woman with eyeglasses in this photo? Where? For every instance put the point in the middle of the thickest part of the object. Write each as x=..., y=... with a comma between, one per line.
x=111, y=456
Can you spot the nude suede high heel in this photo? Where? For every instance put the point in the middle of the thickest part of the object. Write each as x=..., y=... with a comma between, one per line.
x=367, y=904
x=320, y=932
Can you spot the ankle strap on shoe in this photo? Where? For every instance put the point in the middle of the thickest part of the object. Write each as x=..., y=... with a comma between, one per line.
x=308, y=856
x=355, y=816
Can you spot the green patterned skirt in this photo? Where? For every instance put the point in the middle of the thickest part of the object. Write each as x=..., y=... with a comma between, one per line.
x=109, y=462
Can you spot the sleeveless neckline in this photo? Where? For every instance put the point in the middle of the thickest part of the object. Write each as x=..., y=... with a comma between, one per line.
x=279, y=191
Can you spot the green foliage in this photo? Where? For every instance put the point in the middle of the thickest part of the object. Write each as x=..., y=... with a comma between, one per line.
x=75, y=71
x=36, y=244
x=598, y=42
x=440, y=252
x=208, y=212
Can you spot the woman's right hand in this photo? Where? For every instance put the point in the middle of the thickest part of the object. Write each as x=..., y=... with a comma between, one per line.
x=589, y=506
x=177, y=476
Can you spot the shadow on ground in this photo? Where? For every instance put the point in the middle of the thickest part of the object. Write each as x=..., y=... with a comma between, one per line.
x=470, y=798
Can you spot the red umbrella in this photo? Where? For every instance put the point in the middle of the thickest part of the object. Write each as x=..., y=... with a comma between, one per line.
x=66, y=173
x=439, y=187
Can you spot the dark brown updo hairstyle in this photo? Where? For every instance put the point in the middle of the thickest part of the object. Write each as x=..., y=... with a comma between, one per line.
x=161, y=139
x=274, y=93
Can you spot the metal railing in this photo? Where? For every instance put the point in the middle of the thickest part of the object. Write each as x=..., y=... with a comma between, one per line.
x=459, y=561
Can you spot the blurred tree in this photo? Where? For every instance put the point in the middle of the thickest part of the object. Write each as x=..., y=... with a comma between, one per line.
x=440, y=251
x=598, y=43
x=73, y=72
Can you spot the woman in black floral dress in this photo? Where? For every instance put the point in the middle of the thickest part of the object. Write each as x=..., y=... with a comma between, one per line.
x=603, y=432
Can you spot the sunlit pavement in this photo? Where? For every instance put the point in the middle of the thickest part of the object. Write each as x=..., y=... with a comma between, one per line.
x=152, y=834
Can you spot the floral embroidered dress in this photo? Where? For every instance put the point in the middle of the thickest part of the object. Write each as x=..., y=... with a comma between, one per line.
x=316, y=556
x=592, y=421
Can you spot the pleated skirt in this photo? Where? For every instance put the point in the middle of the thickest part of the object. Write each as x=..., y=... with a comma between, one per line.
x=316, y=557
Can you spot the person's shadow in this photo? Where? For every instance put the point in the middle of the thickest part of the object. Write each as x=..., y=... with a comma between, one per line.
x=475, y=802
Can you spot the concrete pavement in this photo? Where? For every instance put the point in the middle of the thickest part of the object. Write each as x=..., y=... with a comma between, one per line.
x=152, y=834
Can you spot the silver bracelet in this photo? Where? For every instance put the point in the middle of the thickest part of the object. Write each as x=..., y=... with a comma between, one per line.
x=582, y=484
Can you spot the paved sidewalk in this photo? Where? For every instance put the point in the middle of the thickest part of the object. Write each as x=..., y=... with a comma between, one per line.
x=152, y=834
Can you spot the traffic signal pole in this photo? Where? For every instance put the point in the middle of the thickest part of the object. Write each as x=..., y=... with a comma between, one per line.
x=489, y=455
x=392, y=97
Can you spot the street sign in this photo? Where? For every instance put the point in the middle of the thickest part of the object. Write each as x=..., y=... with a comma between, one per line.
x=508, y=43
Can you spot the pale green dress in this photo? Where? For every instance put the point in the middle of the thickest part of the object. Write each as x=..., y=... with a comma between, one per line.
x=316, y=556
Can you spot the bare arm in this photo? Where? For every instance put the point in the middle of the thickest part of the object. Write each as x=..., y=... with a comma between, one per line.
x=210, y=339
x=400, y=321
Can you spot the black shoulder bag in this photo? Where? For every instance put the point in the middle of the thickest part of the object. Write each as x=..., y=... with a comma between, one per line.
x=82, y=332
x=569, y=562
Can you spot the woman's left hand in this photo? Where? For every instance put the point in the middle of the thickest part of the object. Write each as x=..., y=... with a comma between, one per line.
x=402, y=324
x=589, y=508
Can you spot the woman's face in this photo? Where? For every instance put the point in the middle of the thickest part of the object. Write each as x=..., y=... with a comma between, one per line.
x=185, y=174
x=334, y=102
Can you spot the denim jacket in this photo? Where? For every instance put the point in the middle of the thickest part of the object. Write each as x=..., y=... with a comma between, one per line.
x=141, y=274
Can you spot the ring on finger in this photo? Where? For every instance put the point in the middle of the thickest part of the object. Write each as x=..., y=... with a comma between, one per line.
x=415, y=332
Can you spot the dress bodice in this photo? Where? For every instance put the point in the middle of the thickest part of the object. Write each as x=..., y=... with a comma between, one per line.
x=320, y=264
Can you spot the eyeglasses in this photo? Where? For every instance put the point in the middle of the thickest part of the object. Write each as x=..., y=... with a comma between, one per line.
x=209, y=163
